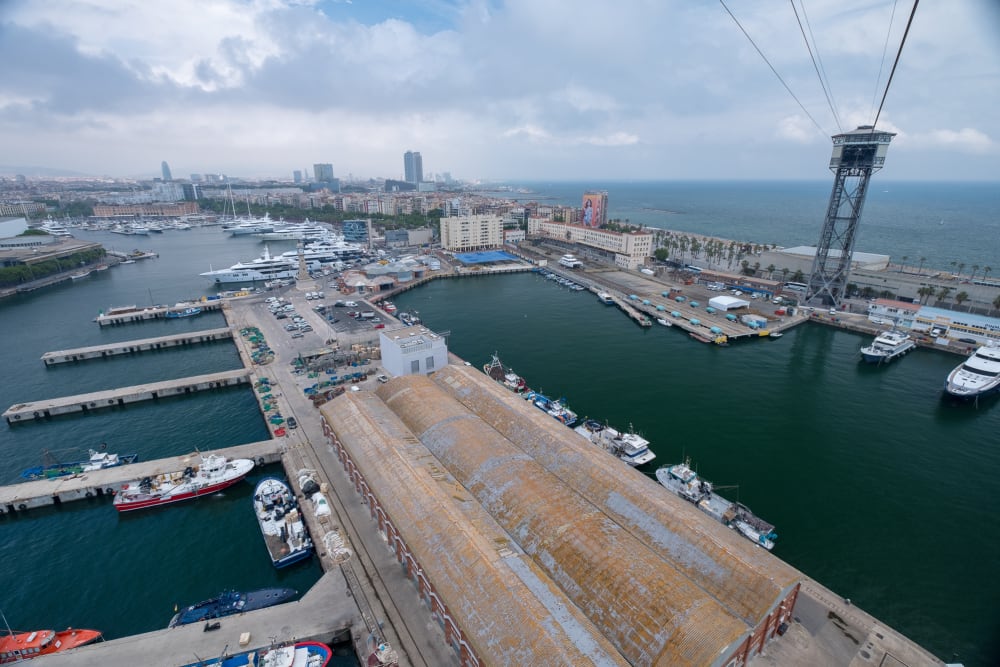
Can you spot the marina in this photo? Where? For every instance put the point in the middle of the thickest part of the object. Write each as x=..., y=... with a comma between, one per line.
x=130, y=314
x=586, y=397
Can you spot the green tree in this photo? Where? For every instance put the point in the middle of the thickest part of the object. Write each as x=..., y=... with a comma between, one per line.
x=925, y=292
x=943, y=292
x=784, y=273
x=986, y=271
x=961, y=298
x=746, y=267
x=922, y=260
x=798, y=276
x=661, y=254
x=771, y=268
x=996, y=302
x=901, y=265
x=975, y=269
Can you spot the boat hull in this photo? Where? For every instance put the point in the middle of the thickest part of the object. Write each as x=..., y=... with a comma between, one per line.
x=15, y=648
x=230, y=602
x=170, y=490
x=281, y=524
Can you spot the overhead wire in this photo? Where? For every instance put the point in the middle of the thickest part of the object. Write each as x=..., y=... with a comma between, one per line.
x=885, y=50
x=817, y=62
x=902, y=42
x=761, y=53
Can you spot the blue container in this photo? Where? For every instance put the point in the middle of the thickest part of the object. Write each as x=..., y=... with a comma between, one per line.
x=694, y=321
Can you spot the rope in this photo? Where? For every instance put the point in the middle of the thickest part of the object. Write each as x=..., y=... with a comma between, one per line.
x=896, y=62
x=820, y=70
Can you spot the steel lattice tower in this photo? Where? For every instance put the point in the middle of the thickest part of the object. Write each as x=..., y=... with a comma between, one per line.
x=856, y=156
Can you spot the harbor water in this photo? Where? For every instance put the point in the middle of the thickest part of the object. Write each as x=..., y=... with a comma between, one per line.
x=879, y=488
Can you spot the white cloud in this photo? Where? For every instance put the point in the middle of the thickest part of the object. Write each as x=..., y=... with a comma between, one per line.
x=632, y=89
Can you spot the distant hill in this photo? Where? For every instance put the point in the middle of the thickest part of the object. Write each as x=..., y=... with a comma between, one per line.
x=7, y=170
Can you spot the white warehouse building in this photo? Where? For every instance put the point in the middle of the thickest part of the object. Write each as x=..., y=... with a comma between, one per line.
x=412, y=351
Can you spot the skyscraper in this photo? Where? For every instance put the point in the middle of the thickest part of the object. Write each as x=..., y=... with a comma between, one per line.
x=323, y=173
x=413, y=166
x=165, y=168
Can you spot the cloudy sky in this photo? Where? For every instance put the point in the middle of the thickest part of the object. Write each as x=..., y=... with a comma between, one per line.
x=515, y=89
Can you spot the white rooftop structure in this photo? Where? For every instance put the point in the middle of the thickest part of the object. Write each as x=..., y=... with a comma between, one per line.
x=412, y=351
x=727, y=303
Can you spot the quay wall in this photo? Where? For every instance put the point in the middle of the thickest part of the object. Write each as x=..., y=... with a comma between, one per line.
x=22, y=412
x=133, y=346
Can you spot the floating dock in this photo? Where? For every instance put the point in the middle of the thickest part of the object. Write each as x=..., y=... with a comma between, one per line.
x=97, y=483
x=133, y=346
x=118, y=397
x=135, y=314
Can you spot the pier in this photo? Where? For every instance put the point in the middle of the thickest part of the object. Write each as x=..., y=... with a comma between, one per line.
x=136, y=314
x=133, y=346
x=123, y=395
x=99, y=483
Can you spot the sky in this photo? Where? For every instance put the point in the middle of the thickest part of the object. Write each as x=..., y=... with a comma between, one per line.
x=512, y=90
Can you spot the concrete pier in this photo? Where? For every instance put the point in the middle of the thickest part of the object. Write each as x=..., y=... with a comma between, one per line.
x=133, y=346
x=325, y=613
x=98, y=483
x=117, y=397
x=152, y=312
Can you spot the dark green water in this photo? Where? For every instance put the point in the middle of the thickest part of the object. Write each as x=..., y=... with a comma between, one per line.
x=82, y=564
x=879, y=489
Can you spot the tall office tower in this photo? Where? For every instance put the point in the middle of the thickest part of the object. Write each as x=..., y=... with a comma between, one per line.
x=413, y=166
x=856, y=156
x=322, y=173
x=165, y=168
x=297, y=176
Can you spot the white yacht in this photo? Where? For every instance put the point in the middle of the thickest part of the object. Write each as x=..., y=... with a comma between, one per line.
x=630, y=447
x=294, y=232
x=317, y=254
x=243, y=226
x=570, y=261
x=978, y=375
x=887, y=346
x=264, y=267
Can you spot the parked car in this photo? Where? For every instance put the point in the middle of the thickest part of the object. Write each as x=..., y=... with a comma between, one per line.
x=291, y=423
x=351, y=304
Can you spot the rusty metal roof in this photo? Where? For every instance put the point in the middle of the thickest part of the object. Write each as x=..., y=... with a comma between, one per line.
x=509, y=610
x=650, y=610
x=738, y=574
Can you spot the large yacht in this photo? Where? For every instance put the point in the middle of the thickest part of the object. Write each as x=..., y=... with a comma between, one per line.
x=978, y=375
x=243, y=226
x=264, y=267
x=887, y=346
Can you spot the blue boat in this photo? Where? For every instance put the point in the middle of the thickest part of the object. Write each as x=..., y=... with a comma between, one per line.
x=555, y=409
x=312, y=654
x=232, y=602
x=184, y=312
x=281, y=523
x=98, y=461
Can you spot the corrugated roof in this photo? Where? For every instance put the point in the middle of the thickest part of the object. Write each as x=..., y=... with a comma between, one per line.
x=509, y=610
x=740, y=575
x=652, y=612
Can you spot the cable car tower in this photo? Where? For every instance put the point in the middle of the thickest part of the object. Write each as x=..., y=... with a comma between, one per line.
x=856, y=156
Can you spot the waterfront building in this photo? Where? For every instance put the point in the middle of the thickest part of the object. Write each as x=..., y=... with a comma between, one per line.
x=630, y=249
x=801, y=258
x=412, y=351
x=896, y=313
x=594, y=211
x=165, y=210
x=949, y=326
x=513, y=236
x=18, y=208
x=471, y=232
x=192, y=191
x=451, y=467
x=413, y=167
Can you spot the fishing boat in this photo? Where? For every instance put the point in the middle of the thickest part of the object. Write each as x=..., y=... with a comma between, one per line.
x=18, y=646
x=505, y=376
x=606, y=298
x=979, y=375
x=299, y=654
x=183, y=312
x=97, y=460
x=228, y=603
x=630, y=447
x=681, y=480
x=214, y=474
x=281, y=522
x=554, y=408
x=887, y=346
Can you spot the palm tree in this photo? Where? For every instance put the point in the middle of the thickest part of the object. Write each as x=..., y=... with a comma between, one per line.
x=905, y=257
x=943, y=292
x=770, y=271
x=961, y=298
x=975, y=268
x=925, y=292
x=784, y=273
x=996, y=302
x=986, y=271
x=961, y=267
x=922, y=260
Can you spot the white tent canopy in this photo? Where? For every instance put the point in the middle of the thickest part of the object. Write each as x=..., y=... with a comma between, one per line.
x=727, y=303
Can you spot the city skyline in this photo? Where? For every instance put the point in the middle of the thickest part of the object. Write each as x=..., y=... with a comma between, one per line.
x=671, y=91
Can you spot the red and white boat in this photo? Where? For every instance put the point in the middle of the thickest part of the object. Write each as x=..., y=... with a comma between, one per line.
x=505, y=376
x=18, y=646
x=214, y=474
